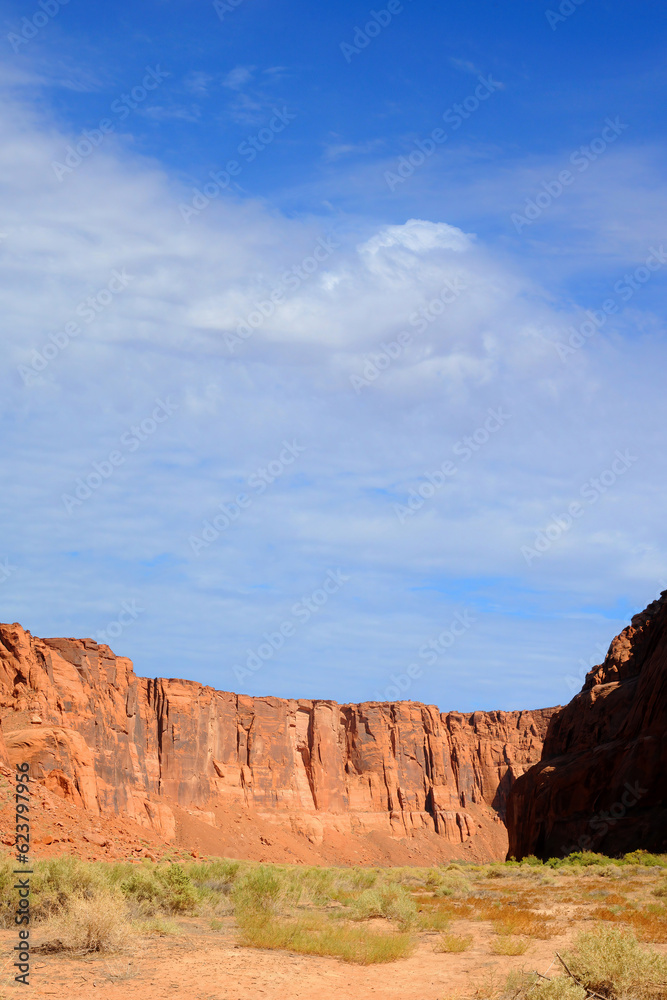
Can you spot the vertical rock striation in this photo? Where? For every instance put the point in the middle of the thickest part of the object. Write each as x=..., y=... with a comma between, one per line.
x=117, y=743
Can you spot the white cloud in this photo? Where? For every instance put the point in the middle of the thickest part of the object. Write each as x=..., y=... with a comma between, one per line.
x=165, y=335
x=238, y=77
x=418, y=236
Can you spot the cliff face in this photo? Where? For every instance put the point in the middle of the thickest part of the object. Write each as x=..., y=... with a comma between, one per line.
x=601, y=785
x=113, y=742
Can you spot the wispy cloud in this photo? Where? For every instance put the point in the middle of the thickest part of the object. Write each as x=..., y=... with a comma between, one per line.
x=465, y=66
x=198, y=82
x=165, y=337
x=335, y=149
x=238, y=77
x=172, y=112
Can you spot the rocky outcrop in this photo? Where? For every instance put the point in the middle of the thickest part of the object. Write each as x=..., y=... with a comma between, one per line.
x=600, y=784
x=117, y=744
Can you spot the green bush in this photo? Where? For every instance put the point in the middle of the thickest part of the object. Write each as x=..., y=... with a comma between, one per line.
x=390, y=901
x=646, y=859
x=157, y=888
x=265, y=890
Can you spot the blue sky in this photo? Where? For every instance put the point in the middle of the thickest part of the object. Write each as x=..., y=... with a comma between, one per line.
x=381, y=407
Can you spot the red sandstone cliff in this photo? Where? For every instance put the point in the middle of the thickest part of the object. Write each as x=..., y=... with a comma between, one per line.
x=158, y=750
x=601, y=783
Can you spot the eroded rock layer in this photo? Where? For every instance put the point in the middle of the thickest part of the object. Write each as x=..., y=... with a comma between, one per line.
x=152, y=750
x=601, y=782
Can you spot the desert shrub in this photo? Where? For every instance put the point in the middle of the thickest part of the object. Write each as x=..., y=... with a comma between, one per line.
x=390, y=901
x=322, y=885
x=453, y=884
x=264, y=890
x=454, y=943
x=527, y=984
x=501, y=871
x=611, y=962
x=646, y=859
x=180, y=895
x=140, y=885
x=157, y=888
x=585, y=859
x=362, y=878
x=56, y=881
x=84, y=925
x=216, y=876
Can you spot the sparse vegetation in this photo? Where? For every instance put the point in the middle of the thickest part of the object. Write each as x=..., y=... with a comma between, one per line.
x=84, y=925
x=608, y=962
x=361, y=915
x=161, y=926
x=453, y=943
x=507, y=945
x=316, y=936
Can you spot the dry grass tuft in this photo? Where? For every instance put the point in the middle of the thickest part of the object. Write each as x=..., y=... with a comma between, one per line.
x=97, y=924
x=433, y=920
x=454, y=943
x=317, y=936
x=507, y=945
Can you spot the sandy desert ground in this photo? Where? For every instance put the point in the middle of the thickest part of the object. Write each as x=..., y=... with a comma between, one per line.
x=541, y=909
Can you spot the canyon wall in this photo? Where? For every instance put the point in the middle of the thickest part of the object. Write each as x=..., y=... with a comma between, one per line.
x=600, y=784
x=115, y=743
